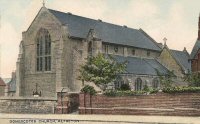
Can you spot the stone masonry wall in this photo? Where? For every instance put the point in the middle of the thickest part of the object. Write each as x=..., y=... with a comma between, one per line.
x=127, y=51
x=27, y=105
x=180, y=104
x=168, y=61
x=46, y=81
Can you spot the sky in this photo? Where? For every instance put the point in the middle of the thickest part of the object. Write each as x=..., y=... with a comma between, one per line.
x=177, y=20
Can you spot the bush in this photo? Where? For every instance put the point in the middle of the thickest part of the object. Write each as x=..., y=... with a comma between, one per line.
x=153, y=91
x=88, y=89
x=123, y=93
x=182, y=90
x=125, y=87
x=146, y=88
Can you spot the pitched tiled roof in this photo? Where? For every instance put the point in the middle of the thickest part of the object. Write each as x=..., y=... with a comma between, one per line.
x=2, y=83
x=79, y=27
x=142, y=66
x=195, y=49
x=182, y=57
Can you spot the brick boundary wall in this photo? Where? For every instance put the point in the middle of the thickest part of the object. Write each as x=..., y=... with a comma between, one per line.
x=179, y=104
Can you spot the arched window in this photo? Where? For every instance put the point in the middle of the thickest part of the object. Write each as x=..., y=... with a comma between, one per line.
x=118, y=82
x=155, y=83
x=138, y=84
x=90, y=48
x=43, y=41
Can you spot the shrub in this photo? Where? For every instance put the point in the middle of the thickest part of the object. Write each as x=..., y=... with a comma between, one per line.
x=153, y=91
x=123, y=93
x=146, y=88
x=88, y=89
x=182, y=90
x=125, y=87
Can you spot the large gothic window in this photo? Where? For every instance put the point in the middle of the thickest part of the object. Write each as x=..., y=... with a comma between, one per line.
x=43, y=50
x=138, y=84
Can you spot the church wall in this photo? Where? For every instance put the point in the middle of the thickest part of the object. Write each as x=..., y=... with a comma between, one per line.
x=46, y=80
x=131, y=79
x=121, y=51
x=142, y=53
x=168, y=61
x=74, y=52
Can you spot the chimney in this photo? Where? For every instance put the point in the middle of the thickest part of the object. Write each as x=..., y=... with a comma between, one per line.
x=199, y=29
x=184, y=50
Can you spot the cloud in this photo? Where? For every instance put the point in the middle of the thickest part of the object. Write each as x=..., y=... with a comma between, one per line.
x=175, y=28
x=9, y=48
x=92, y=8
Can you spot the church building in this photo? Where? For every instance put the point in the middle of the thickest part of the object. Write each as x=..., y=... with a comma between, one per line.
x=57, y=43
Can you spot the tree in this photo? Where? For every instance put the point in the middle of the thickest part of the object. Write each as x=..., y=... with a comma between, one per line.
x=101, y=69
x=166, y=80
x=193, y=79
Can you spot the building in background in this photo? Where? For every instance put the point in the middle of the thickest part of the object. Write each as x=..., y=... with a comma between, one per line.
x=11, y=86
x=195, y=54
x=2, y=87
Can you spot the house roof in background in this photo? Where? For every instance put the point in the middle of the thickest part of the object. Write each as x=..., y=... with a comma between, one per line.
x=2, y=83
x=182, y=58
x=6, y=80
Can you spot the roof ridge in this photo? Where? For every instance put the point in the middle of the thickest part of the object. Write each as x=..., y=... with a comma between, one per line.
x=122, y=26
x=142, y=31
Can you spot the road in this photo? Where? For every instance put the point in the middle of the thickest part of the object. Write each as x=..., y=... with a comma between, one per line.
x=93, y=119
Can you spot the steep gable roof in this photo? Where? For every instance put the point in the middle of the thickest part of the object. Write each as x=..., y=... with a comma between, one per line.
x=195, y=49
x=182, y=58
x=79, y=27
x=2, y=83
x=142, y=66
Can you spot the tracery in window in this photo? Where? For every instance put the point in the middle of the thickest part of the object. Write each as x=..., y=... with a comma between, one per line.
x=43, y=48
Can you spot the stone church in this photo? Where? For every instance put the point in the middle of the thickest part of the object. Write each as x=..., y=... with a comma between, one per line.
x=57, y=43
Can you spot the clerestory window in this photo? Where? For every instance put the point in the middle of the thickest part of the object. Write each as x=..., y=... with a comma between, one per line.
x=43, y=50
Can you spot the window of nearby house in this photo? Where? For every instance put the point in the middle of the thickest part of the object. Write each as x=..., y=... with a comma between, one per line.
x=148, y=53
x=116, y=49
x=43, y=48
x=133, y=52
x=138, y=84
x=155, y=83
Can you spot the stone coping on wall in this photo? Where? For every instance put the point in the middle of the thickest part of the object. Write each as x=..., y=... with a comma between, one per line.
x=30, y=98
x=134, y=108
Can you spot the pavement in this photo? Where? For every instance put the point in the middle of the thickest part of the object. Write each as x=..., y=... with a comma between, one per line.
x=93, y=119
